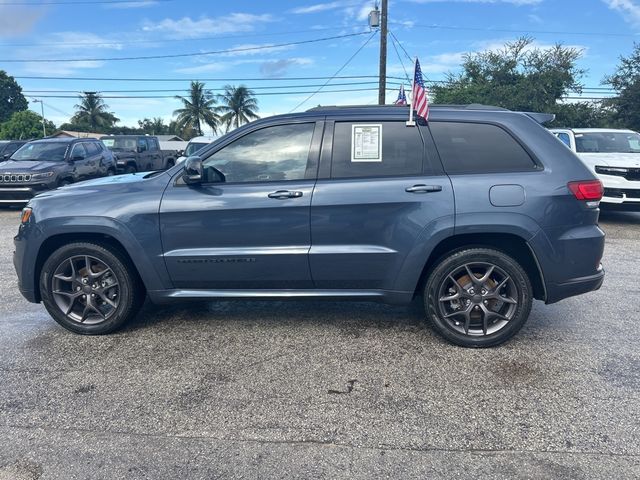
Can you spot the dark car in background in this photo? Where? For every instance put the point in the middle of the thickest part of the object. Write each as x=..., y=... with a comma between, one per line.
x=50, y=163
x=7, y=147
x=479, y=212
x=139, y=153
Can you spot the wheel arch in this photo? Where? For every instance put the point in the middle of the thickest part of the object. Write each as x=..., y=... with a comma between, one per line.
x=54, y=242
x=508, y=243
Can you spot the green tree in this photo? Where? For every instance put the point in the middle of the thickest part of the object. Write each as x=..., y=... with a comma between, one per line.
x=239, y=106
x=197, y=108
x=519, y=77
x=93, y=114
x=24, y=125
x=11, y=98
x=153, y=126
x=583, y=115
x=626, y=82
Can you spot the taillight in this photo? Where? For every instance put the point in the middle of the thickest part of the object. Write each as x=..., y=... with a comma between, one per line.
x=587, y=190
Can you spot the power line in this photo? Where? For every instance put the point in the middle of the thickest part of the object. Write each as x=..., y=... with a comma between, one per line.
x=337, y=72
x=182, y=55
x=214, y=79
x=257, y=94
x=183, y=90
x=507, y=30
x=161, y=41
x=393, y=42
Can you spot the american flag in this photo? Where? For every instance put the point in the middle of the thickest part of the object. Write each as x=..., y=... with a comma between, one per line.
x=419, y=95
x=402, y=97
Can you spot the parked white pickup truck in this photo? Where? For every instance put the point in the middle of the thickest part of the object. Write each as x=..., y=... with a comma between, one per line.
x=614, y=156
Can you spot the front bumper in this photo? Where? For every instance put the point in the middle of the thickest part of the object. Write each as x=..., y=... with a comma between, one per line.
x=19, y=194
x=620, y=191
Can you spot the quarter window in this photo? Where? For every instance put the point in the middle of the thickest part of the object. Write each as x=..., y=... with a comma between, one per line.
x=478, y=148
x=268, y=155
x=399, y=153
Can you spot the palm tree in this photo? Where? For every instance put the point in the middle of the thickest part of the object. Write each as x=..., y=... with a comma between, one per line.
x=93, y=112
x=239, y=106
x=198, y=107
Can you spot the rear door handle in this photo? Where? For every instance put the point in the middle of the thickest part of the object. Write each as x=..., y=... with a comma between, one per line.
x=423, y=189
x=282, y=194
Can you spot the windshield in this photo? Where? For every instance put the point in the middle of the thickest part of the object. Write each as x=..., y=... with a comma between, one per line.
x=192, y=148
x=608, y=142
x=121, y=143
x=49, y=151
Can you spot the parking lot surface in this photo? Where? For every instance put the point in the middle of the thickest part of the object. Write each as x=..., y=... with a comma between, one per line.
x=304, y=389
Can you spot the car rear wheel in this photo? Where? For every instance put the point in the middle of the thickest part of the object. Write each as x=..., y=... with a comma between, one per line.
x=478, y=297
x=90, y=289
x=130, y=169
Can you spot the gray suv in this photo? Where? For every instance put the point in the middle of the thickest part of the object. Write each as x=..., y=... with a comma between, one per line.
x=478, y=212
x=50, y=163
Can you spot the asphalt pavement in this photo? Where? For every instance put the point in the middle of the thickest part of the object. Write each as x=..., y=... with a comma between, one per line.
x=306, y=389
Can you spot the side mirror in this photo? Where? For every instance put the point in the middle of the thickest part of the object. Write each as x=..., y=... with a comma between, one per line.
x=6, y=156
x=77, y=158
x=141, y=149
x=193, y=170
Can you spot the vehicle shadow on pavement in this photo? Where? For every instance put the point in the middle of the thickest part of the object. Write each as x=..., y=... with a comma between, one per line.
x=344, y=314
x=619, y=216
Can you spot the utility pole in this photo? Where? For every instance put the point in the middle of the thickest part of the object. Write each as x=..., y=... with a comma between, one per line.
x=44, y=129
x=382, y=86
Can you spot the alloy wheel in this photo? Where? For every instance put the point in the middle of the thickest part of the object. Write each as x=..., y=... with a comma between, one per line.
x=85, y=289
x=477, y=299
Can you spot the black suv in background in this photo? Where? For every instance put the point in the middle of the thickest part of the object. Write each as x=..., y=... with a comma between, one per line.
x=50, y=163
x=8, y=147
x=139, y=153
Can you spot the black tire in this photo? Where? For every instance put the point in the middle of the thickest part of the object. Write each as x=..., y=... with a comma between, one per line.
x=477, y=319
x=130, y=169
x=170, y=163
x=111, y=172
x=123, y=288
x=63, y=182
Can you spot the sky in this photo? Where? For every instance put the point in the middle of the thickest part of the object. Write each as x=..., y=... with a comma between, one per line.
x=276, y=39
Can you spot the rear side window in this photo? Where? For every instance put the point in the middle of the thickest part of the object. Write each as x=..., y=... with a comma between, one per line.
x=478, y=148
x=91, y=148
x=376, y=149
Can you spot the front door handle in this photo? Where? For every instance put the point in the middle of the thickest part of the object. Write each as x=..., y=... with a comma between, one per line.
x=423, y=189
x=282, y=194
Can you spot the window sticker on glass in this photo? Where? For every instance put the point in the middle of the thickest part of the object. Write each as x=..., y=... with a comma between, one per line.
x=366, y=143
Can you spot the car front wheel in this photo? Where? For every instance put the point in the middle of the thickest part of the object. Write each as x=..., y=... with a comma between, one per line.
x=478, y=297
x=89, y=288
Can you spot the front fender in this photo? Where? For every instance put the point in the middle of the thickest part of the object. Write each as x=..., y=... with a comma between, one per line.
x=144, y=250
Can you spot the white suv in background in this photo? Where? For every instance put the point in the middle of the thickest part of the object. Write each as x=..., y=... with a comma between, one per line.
x=614, y=155
x=195, y=144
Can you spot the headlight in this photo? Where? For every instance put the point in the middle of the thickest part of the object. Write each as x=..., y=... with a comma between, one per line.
x=41, y=176
x=26, y=215
x=619, y=171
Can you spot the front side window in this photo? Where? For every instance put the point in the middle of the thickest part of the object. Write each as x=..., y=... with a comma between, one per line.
x=48, y=151
x=376, y=150
x=271, y=154
x=78, y=151
x=478, y=148
x=142, y=145
x=608, y=142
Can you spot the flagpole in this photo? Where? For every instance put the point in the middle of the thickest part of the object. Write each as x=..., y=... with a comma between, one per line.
x=411, y=122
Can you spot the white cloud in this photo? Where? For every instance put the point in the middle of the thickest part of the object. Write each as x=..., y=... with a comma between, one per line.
x=64, y=41
x=186, y=27
x=629, y=9
x=318, y=7
x=15, y=21
x=278, y=68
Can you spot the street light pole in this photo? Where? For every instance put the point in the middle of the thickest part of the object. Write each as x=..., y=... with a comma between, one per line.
x=44, y=129
x=382, y=86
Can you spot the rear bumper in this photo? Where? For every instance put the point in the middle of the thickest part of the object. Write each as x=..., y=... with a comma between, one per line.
x=576, y=286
